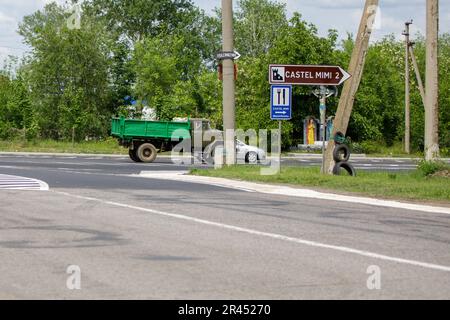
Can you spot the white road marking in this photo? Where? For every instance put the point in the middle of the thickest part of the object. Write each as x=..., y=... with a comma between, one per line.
x=8, y=182
x=287, y=191
x=266, y=234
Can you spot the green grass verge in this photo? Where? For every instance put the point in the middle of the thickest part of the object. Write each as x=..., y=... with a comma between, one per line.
x=108, y=146
x=406, y=186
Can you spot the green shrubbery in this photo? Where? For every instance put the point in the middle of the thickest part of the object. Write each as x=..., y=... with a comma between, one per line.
x=428, y=168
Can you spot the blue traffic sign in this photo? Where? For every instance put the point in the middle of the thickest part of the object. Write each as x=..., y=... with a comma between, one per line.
x=281, y=102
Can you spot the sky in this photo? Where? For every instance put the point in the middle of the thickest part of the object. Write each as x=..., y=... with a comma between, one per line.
x=342, y=15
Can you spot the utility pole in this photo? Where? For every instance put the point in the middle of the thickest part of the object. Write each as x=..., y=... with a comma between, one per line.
x=355, y=69
x=432, y=83
x=407, y=91
x=417, y=71
x=229, y=94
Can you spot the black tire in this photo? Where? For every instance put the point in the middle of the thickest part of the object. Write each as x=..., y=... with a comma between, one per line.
x=346, y=166
x=251, y=157
x=339, y=137
x=133, y=155
x=147, y=153
x=341, y=153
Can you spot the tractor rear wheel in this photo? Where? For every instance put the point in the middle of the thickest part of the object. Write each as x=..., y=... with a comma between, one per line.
x=147, y=153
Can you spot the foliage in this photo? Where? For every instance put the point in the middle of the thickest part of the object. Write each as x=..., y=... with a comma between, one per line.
x=428, y=168
x=162, y=53
x=67, y=74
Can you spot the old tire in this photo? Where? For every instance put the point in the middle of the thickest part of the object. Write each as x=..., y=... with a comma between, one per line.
x=251, y=157
x=339, y=138
x=147, y=153
x=341, y=153
x=346, y=166
x=133, y=155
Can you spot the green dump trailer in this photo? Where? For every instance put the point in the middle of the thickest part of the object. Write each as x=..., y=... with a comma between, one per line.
x=145, y=139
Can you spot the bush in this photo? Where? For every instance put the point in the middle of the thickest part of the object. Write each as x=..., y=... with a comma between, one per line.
x=371, y=147
x=356, y=147
x=445, y=152
x=428, y=168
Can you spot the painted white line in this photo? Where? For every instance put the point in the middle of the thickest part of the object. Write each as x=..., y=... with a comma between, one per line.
x=266, y=234
x=287, y=191
x=9, y=182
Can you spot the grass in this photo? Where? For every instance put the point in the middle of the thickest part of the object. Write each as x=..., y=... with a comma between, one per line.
x=108, y=146
x=404, y=186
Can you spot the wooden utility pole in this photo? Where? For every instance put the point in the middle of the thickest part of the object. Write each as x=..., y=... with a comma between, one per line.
x=229, y=95
x=432, y=83
x=351, y=87
x=417, y=71
x=407, y=91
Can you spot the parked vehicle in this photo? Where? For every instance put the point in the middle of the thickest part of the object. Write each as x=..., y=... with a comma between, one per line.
x=249, y=154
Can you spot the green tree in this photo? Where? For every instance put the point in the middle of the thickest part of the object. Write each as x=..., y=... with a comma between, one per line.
x=67, y=74
x=137, y=19
x=379, y=103
x=15, y=109
x=259, y=23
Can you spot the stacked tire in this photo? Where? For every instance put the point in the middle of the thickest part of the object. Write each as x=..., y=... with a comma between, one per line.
x=341, y=155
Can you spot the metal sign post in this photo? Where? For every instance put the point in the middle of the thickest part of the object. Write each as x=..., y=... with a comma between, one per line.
x=323, y=93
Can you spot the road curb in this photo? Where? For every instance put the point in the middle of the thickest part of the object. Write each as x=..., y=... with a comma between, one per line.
x=183, y=176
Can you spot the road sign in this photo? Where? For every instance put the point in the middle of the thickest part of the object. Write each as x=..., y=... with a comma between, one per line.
x=281, y=102
x=231, y=55
x=307, y=75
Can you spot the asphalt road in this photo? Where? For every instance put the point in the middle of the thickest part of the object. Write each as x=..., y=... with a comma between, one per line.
x=140, y=238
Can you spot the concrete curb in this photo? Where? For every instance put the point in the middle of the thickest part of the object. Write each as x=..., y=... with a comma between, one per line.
x=183, y=176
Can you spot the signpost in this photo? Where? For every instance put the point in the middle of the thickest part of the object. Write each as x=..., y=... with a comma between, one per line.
x=323, y=93
x=282, y=77
x=307, y=75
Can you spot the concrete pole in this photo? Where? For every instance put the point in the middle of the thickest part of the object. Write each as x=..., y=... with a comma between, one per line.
x=229, y=97
x=432, y=83
x=407, y=92
x=417, y=71
x=356, y=69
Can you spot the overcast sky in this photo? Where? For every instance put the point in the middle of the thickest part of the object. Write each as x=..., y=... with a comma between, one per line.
x=343, y=15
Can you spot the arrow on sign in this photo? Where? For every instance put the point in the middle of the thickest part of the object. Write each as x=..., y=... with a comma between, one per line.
x=228, y=55
x=345, y=76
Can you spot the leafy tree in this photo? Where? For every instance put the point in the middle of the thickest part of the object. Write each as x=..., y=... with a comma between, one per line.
x=137, y=19
x=15, y=109
x=67, y=74
x=259, y=23
x=379, y=103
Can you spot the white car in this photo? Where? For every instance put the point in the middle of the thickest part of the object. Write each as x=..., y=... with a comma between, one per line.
x=249, y=154
x=244, y=153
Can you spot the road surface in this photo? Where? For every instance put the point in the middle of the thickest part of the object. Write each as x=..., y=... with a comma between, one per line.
x=137, y=238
